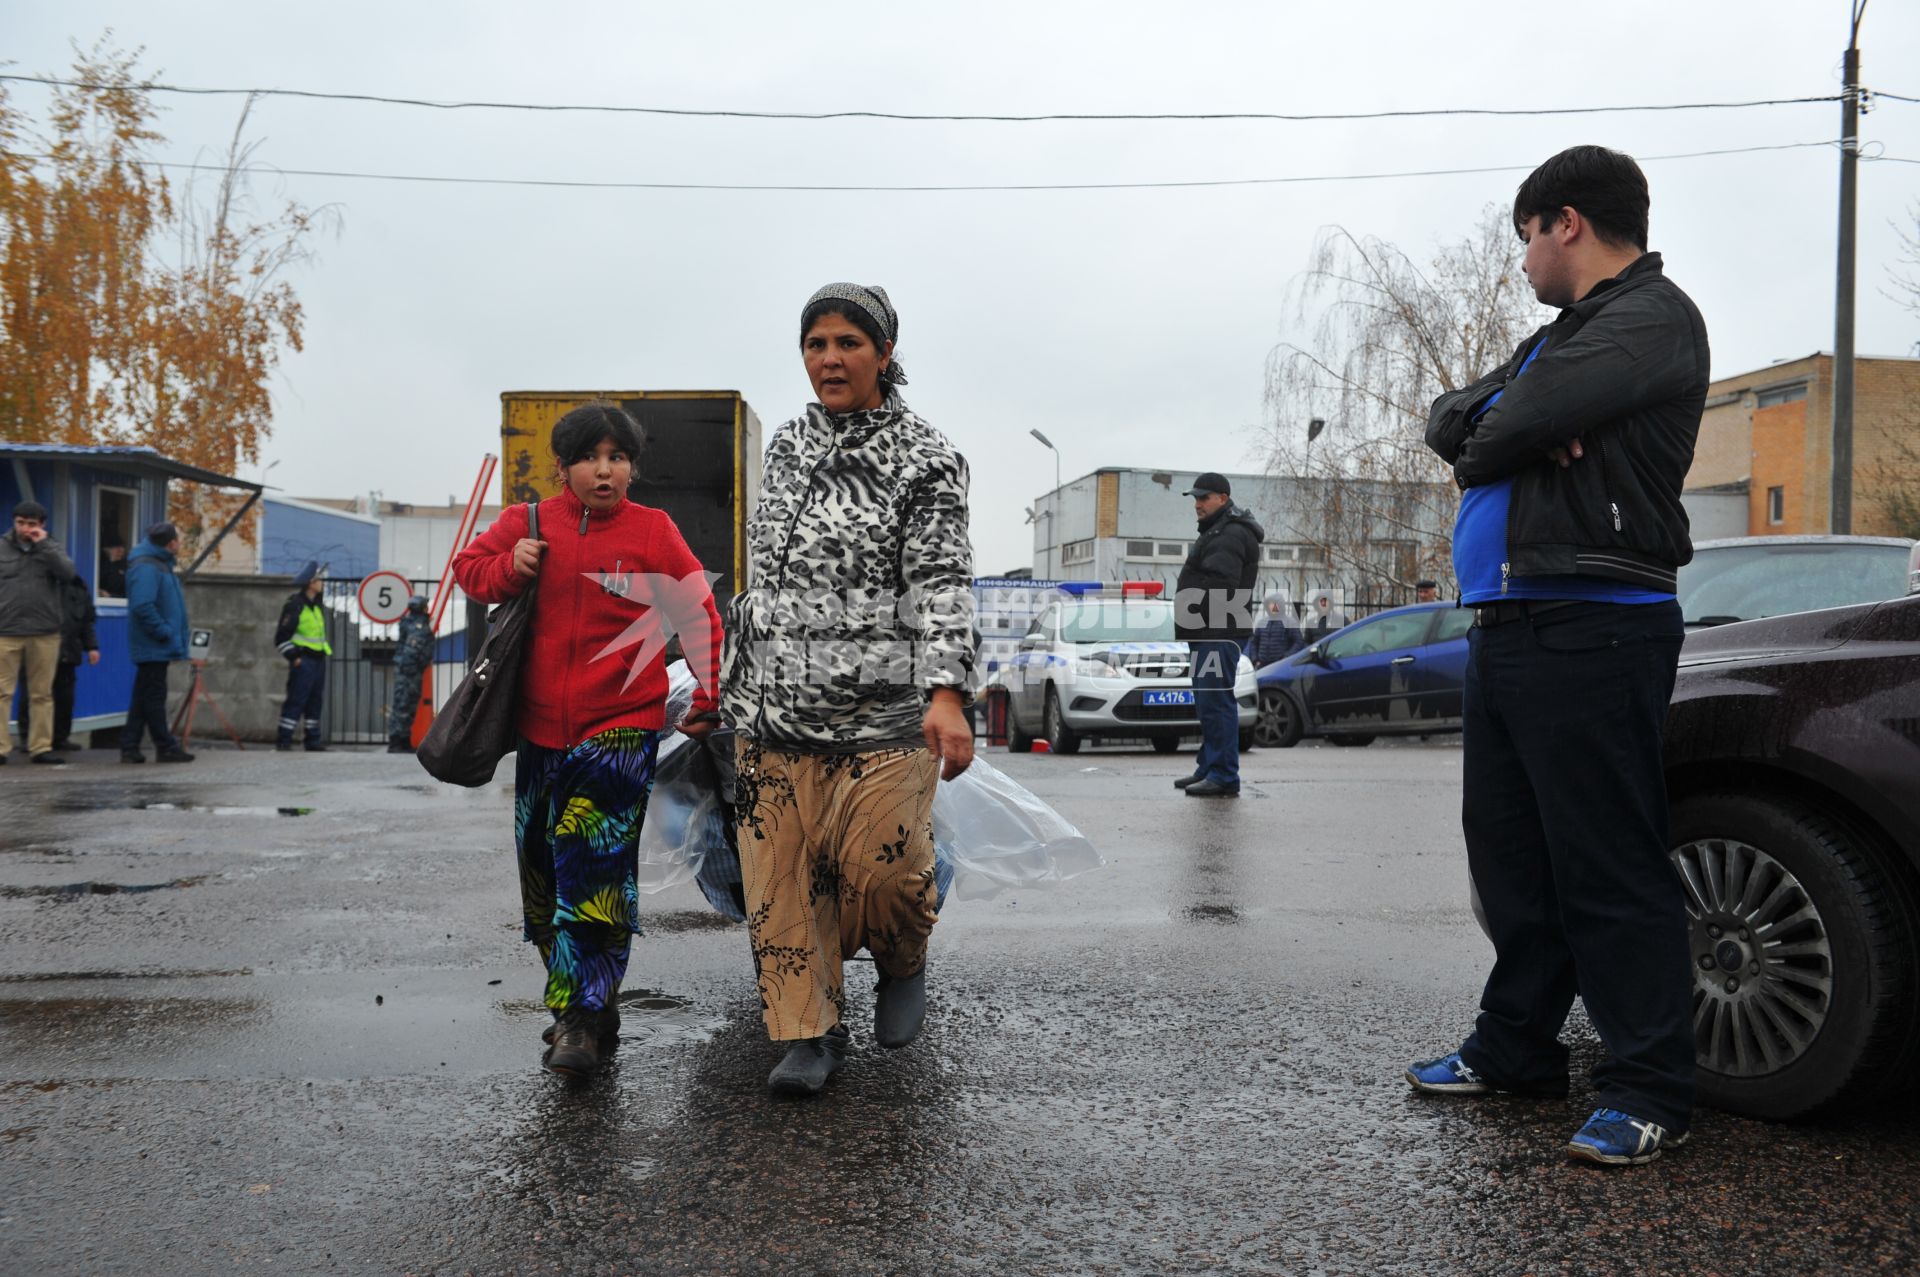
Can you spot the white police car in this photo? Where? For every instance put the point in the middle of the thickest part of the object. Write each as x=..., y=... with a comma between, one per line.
x=1103, y=662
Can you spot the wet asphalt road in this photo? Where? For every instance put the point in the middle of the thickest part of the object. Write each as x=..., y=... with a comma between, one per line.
x=235, y=1038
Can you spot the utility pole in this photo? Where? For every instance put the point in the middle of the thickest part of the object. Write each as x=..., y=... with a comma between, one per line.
x=1840, y=509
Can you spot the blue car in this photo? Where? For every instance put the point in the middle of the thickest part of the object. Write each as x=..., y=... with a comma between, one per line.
x=1395, y=674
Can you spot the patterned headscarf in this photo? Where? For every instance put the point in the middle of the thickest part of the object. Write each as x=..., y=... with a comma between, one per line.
x=871, y=300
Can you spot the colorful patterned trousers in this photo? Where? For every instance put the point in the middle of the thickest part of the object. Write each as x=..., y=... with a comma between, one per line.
x=577, y=814
x=836, y=853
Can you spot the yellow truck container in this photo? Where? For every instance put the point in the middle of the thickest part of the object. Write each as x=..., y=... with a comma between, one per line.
x=700, y=462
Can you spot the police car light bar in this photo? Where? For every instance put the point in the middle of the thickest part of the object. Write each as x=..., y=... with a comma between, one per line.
x=1143, y=589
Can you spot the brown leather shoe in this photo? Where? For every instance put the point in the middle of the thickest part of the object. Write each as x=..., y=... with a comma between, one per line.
x=609, y=1028
x=576, y=1045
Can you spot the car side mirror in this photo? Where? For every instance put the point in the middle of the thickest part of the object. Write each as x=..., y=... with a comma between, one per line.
x=1317, y=654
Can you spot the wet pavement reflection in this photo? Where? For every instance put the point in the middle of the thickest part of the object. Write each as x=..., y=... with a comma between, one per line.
x=239, y=1042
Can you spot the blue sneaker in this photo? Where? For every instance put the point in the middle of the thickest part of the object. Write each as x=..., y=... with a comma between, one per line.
x=1613, y=1138
x=1448, y=1075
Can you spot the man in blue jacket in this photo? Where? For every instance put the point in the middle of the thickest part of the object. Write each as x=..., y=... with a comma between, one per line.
x=156, y=635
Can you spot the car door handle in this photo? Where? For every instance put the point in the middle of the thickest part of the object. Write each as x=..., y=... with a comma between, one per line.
x=1401, y=660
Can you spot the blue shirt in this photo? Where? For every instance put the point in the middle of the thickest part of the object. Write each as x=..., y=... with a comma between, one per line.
x=1480, y=561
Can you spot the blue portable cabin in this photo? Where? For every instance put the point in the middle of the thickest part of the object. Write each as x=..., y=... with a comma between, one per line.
x=96, y=494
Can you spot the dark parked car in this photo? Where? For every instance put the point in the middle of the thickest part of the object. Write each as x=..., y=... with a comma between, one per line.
x=1398, y=673
x=1793, y=770
x=1746, y=578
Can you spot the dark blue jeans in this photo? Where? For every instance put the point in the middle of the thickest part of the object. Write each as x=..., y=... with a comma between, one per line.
x=306, y=694
x=147, y=713
x=1565, y=814
x=1215, y=662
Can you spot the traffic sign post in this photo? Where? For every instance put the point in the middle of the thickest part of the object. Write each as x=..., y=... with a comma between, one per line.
x=383, y=596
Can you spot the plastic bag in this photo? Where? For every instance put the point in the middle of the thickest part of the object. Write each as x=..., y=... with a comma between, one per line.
x=996, y=834
x=680, y=688
x=989, y=834
x=687, y=819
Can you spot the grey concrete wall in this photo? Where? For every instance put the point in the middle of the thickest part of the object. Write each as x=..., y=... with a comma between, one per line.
x=245, y=675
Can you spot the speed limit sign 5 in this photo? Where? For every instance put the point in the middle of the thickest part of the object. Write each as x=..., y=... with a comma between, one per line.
x=384, y=595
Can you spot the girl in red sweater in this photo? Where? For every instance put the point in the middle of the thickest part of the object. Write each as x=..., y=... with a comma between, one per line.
x=616, y=579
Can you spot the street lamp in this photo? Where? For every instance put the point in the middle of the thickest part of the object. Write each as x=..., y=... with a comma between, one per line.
x=1053, y=523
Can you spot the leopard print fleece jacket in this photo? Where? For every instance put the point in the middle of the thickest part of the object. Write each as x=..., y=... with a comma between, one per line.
x=862, y=584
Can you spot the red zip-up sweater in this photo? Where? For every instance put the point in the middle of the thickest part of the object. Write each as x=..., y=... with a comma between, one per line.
x=600, y=575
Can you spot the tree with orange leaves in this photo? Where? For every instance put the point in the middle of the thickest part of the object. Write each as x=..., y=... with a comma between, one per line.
x=132, y=313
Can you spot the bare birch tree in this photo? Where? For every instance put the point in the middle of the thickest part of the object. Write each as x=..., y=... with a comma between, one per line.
x=1905, y=282
x=1388, y=336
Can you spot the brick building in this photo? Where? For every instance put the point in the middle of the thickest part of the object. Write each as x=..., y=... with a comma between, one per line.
x=1769, y=433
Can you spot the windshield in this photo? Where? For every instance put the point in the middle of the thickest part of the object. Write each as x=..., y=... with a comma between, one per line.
x=1118, y=621
x=1745, y=582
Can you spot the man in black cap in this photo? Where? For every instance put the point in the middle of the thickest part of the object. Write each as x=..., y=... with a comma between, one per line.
x=301, y=637
x=1213, y=611
x=34, y=571
x=1426, y=591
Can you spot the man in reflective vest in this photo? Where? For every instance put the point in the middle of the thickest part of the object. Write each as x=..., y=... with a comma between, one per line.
x=301, y=637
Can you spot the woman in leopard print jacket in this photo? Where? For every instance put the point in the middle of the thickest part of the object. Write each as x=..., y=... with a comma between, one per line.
x=847, y=676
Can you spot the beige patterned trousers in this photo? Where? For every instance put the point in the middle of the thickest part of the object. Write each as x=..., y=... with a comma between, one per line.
x=836, y=853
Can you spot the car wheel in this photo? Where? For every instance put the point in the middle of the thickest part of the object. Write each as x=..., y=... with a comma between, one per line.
x=1165, y=744
x=1061, y=739
x=1803, y=955
x=1279, y=725
x=1018, y=742
x=1351, y=739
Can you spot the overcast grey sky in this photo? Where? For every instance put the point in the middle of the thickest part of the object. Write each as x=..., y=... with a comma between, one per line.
x=1130, y=326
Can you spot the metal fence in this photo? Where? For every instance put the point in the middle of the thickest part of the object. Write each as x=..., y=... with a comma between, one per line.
x=360, y=675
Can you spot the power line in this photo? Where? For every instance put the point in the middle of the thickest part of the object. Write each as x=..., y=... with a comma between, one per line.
x=1080, y=116
x=586, y=184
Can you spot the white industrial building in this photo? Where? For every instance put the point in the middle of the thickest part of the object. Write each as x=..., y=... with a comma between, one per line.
x=1120, y=524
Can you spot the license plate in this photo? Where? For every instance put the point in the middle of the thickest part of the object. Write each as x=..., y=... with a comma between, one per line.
x=1166, y=698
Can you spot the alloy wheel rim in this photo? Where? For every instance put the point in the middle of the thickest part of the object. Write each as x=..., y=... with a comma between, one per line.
x=1276, y=713
x=1762, y=958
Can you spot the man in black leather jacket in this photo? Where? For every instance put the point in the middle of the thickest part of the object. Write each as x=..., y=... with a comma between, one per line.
x=1571, y=457
x=1213, y=612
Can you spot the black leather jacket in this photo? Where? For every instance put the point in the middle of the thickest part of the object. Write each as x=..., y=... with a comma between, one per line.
x=1214, y=593
x=1625, y=371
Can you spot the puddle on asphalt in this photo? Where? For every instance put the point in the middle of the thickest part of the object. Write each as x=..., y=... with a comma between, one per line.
x=72, y=890
x=225, y=811
x=53, y=1020
x=647, y=1016
x=687, y=920
x=29, y=845
x=61, y=977
x=1212, y=913
x=156, y=798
